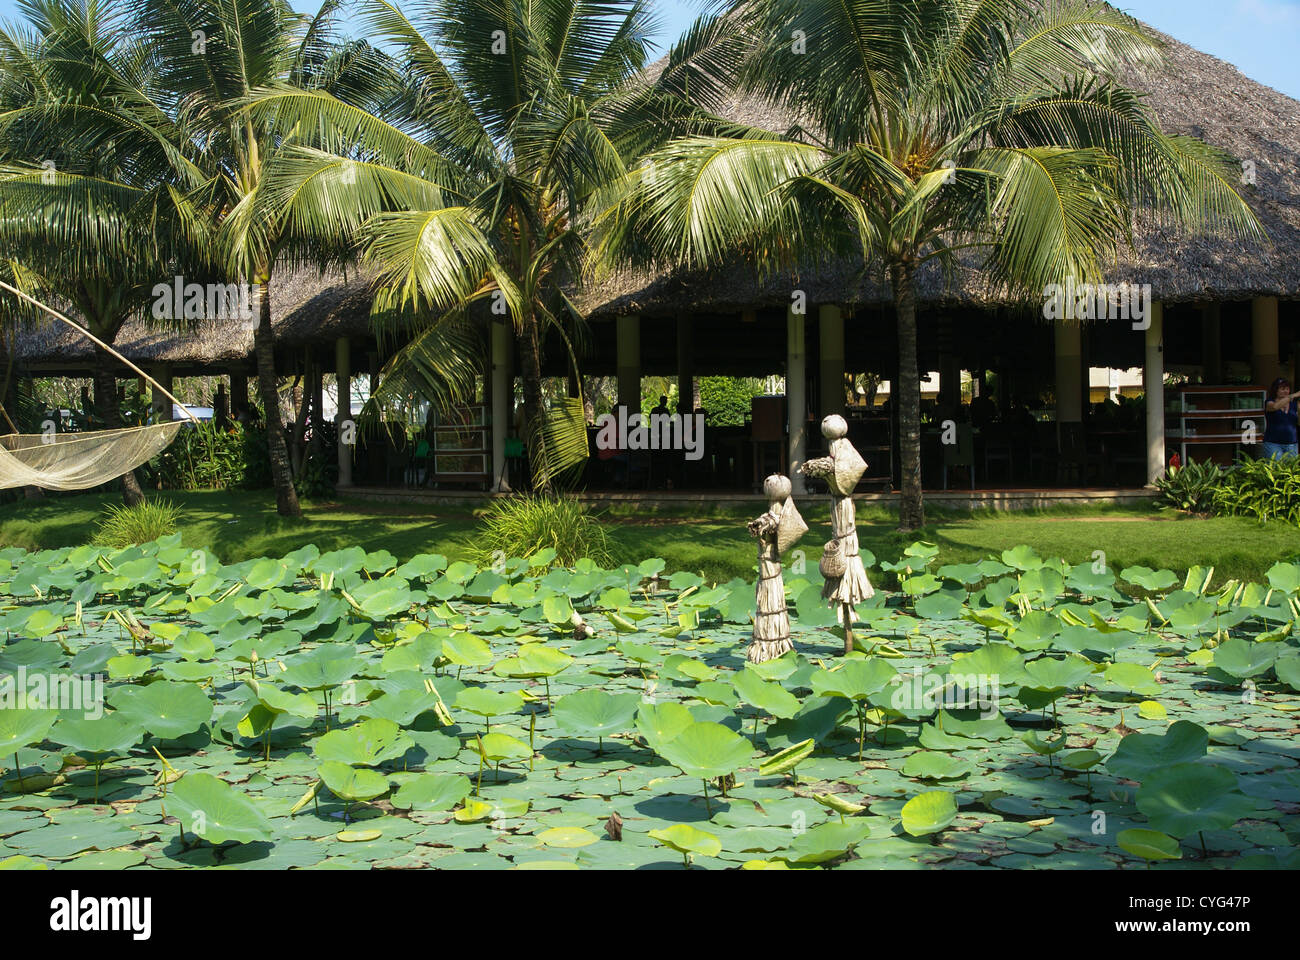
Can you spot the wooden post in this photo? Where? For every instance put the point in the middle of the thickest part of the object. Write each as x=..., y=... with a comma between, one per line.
x=1211, y=344
x=343, y=414
x=1264, y=367
x=796, y=396
x=1069, y=372
x=629, y=362
x=162, y=407
x=830, y=323
x=316, y=372
x=501, y=403
x=1153, y=383
x=687, y=392
x=239, y=396
x=221, y=406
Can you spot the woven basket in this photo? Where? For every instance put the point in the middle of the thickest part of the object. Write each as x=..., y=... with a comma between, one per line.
x=832, y=564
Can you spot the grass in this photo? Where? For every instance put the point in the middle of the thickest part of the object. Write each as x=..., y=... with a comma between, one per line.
x=711, y=541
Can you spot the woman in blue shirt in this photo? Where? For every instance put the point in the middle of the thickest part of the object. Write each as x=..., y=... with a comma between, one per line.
x=1281, y=420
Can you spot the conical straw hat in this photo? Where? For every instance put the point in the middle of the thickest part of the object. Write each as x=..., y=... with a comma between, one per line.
x=849, y=467
x=790, y=527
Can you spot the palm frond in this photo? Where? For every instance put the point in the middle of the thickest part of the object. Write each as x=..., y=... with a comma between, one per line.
x=557, y=443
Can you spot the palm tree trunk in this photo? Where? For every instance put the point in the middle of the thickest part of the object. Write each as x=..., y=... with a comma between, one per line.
x=911, y=509
x=106, y=407
x=531, y=375
x=286, y=498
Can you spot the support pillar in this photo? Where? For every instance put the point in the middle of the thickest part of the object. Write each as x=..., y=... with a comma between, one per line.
x=239, y=396
x=501, y=403
x=1211, y=344
x=221, y=406
x=796, y=401
x=347, y=430
x=1069, y=372
x=1264, y=367
x=162, y=407
x=830, y=324
x=316, y=366
x=1153, y=383
x=687, y=396
x=629, y=363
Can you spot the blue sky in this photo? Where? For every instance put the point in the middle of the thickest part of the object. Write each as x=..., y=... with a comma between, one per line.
x=1260, y=37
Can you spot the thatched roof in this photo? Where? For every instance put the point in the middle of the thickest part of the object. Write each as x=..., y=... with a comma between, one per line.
x=306, y=307
x=1194, y=93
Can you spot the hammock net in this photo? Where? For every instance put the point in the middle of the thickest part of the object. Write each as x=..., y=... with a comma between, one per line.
x=77, y=461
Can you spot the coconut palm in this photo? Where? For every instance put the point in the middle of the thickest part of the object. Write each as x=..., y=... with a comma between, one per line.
x=469, y=193
x=94, y=180
x=209, y=55
x=932, y=129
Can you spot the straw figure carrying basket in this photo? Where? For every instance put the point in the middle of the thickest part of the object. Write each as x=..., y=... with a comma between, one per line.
x=777, y=531
x=841, y=565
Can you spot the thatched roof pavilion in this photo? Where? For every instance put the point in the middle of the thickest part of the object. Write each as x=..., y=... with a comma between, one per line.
x=727, y=321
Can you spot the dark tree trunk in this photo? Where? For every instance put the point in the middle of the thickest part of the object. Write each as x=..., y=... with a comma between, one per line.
x=106, y=407
x=911, y=508
x=531, y=374
x=286, y=498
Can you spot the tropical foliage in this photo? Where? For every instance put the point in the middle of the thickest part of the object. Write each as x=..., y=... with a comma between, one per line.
x=926, y=133
x=1263, y=489
x=470, y=191
x=208, y=457
x=97, y=189
x=541, y=526
x=1190, y=487
x=127, y=526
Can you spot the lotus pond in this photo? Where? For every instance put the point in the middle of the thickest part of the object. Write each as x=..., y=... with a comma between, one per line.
x=161, y=710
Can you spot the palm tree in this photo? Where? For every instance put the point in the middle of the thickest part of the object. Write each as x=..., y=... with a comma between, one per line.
x=210, y=55
x=470, y=192
x=93, y=183
x=933, y=127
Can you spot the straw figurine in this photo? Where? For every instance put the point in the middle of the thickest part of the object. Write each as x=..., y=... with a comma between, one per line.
x=777, y=531
x=841, y=566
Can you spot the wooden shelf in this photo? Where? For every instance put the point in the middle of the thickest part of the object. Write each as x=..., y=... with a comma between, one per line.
x=1216, y=417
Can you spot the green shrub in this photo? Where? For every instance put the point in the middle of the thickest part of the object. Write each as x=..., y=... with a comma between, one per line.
x=726, y=399
x=1263, y=489
x=524, y=525
x=208, y=458
x=127, y=526
x=1190, y=487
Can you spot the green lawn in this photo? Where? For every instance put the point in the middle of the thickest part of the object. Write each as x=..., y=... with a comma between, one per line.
x=239, y=525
